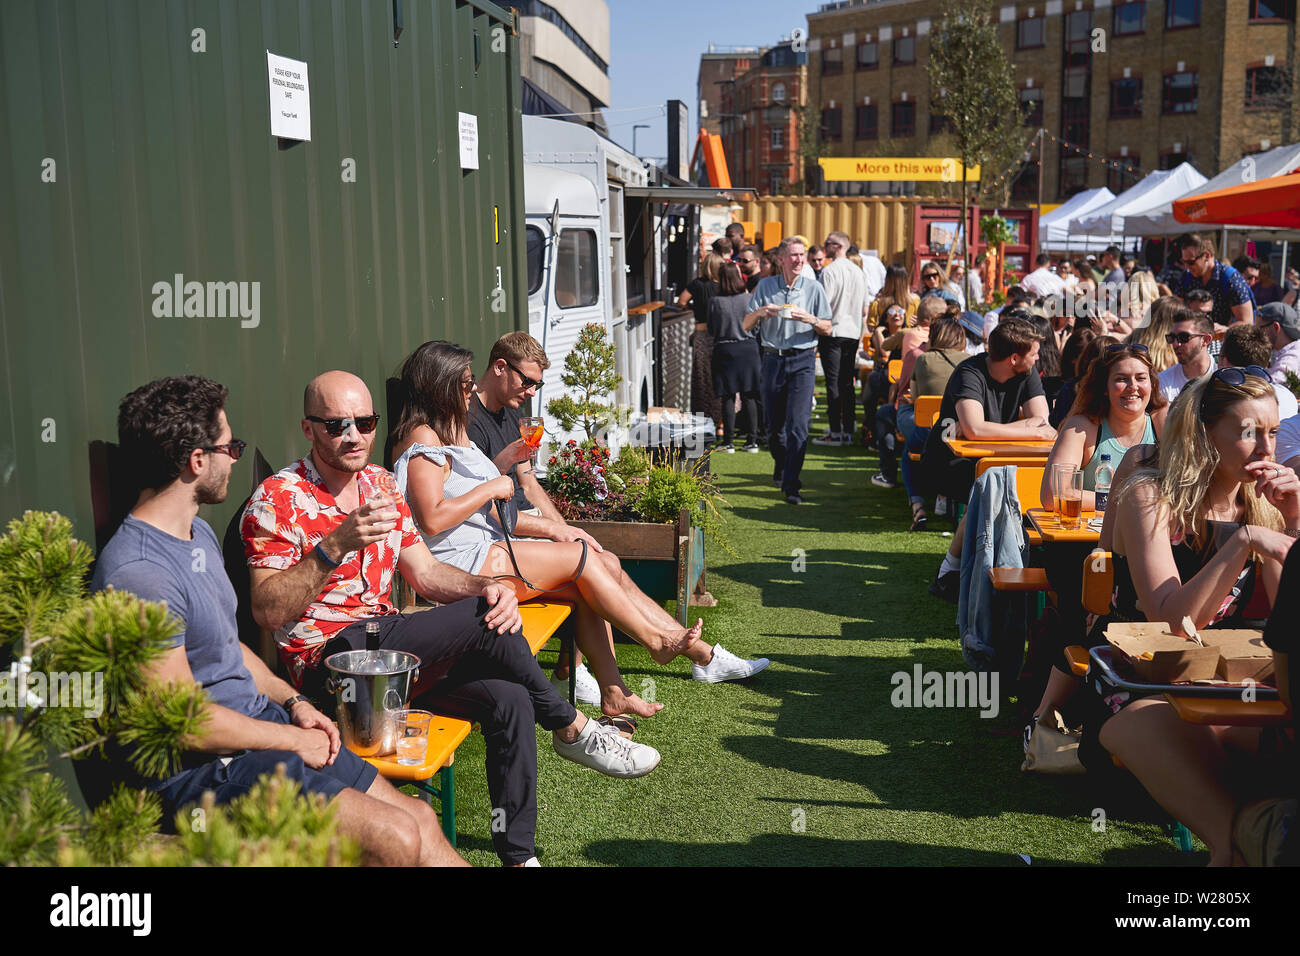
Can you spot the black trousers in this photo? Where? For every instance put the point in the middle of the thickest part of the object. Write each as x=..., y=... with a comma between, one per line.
x=839, y=360
x=471, y=672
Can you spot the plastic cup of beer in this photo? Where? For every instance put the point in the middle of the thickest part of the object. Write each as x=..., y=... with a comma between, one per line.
x=412, y=736
x=1055, y=486
x=1071, y=484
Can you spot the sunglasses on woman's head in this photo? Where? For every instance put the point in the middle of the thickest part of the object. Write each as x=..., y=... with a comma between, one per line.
x=334, y=427
x=1234, y=376
x=1131, y=347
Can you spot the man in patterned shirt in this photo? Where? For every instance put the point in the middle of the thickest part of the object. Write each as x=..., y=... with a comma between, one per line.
x=1233, y=300
x=323, y=538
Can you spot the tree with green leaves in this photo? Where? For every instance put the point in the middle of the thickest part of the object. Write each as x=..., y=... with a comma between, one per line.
x=53, y=635
x=590, y=370
x=977, y=90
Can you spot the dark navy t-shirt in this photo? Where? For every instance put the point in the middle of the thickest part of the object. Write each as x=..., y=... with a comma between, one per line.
x=191, y=577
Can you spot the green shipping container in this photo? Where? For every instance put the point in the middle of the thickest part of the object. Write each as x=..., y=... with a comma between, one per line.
x=136, y=148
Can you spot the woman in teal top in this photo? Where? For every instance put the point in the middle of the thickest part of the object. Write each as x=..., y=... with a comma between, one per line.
x=1117, y=406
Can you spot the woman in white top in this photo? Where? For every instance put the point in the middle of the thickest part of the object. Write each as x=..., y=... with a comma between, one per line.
x=450, y=486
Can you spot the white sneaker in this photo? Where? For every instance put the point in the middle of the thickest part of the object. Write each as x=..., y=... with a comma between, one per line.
x=727, y=666
x=586, y=690
x=531, y=861
x=606, y=750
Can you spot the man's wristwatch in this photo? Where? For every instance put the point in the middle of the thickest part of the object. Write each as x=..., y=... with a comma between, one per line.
x=288, y=704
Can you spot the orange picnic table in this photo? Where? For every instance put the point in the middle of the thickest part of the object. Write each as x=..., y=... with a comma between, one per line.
x=1031, y=447
x=1048, y=524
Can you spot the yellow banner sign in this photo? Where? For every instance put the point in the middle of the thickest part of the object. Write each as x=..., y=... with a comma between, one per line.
x=941, y=169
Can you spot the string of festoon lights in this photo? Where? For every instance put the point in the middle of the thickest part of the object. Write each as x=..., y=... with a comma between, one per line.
x=1028, y=159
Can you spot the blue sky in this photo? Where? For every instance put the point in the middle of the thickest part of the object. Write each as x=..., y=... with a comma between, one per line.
x=656, y=47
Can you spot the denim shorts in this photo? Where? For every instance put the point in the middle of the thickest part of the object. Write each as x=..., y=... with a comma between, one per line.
x=231, y=777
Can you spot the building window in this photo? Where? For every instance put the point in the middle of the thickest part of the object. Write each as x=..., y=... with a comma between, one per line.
x=831, y=120
x=904, y=120
x=778, y=138
x=1130, y=18
x=868, y=56
x=1025, y=187
x=778, y=92
x=832, y=61
x=1182, y=13
x=775, y=180
x=1126, y=97
x=1078, y=39
x=1121, y=178
x=865, y=120
x=1272, y=9
x=1173, y=160
x=1031, y=33
x=904, y=50
x=939, y=124
x=1266, y=86
x=1074, y=175
x=1180, y=93
x=1031, y=106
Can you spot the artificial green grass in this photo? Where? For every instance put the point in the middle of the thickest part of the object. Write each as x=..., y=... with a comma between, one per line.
x=809, y=763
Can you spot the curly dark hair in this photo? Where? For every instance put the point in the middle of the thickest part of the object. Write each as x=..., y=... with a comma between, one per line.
x=159, y=424
x=431, y=391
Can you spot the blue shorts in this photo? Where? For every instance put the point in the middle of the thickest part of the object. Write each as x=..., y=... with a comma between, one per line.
x=230, y=779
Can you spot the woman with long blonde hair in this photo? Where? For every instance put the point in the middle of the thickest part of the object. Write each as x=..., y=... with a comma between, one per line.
x=1157, y=323
x=1193, y=537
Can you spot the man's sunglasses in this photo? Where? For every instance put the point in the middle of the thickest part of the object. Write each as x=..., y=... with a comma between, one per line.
x=1188, y=262
x=335, y=427
x=524, y=379
x=1182, y=338
x=234, y=448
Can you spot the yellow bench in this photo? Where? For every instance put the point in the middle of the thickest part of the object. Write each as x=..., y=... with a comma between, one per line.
x=541, y=619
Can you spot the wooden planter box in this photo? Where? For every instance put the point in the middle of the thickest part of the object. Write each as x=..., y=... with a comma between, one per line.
x=665, y=560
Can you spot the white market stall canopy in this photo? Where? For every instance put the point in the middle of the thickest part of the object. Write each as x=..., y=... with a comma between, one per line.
x=1160, y=221
x=1156, y=189
x=1054, y=228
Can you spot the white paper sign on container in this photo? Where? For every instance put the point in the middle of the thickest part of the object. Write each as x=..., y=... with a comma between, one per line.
x=468, y=141
x=290, y=97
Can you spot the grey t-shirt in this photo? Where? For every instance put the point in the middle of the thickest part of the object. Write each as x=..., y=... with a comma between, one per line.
x=191, y=577
x=726, y=319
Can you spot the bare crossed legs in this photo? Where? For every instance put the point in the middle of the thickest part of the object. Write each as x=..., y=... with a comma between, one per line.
x=603, y=594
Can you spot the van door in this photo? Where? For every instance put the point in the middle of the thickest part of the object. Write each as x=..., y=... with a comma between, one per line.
x=575, y=301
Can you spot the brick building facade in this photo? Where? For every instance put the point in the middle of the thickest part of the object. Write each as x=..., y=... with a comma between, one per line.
x=760, y=120
x=1144, y=85
x=718, y=68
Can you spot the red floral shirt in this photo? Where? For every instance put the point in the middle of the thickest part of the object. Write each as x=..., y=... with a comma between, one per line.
x=287, y=516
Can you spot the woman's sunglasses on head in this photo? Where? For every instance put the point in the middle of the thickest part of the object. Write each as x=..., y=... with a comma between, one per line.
x=334, y=427
x=1235, y=377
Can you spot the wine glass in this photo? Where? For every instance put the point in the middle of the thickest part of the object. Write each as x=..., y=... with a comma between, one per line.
x=531, y=430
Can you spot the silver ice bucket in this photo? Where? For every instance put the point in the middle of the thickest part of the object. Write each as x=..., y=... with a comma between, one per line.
x=367, y=687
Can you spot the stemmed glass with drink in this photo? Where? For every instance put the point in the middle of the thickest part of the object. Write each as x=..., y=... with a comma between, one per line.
x=531, y=431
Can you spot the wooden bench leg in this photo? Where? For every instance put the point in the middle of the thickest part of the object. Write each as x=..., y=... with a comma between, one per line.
x=448, y=794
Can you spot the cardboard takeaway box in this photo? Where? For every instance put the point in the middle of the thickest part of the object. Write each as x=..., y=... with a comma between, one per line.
x=1160, y=656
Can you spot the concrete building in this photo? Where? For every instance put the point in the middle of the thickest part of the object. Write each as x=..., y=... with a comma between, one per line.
x=759, y=122
x=718, y=68
x=564, y=58
x=1121, y=87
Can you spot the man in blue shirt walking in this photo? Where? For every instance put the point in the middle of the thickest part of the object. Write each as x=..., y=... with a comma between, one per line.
x=791, y=310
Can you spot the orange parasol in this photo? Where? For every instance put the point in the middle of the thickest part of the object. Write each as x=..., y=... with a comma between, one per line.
x=1273, y=203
